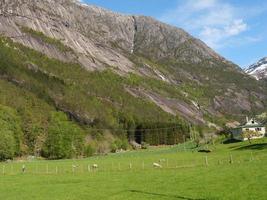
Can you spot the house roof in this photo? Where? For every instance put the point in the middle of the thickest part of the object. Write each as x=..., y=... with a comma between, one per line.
x=252, y=126
x=252, y=123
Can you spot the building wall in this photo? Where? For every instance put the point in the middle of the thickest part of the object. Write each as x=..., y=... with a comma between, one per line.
x=237, y=133
x=261, y=131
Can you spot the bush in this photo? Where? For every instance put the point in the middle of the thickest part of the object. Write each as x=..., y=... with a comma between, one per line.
x=113, y=147
x=65, y=139
x=10, y=133
x=124, y=145
x=7, y=145
x=119, y=144
x=144, y=145
x=89, y=150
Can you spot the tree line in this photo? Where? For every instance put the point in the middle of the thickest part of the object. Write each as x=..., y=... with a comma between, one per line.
x=62, y=138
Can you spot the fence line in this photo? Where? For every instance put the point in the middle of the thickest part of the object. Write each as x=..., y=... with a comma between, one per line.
x=14, y=168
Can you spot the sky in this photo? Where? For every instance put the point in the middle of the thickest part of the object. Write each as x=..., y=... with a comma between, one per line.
x=236, y=29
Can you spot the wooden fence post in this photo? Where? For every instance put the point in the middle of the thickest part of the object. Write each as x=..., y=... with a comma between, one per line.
x=251, y=156
x=184, y=144
x=231, y=159
x=82, y=170
x=206, y=160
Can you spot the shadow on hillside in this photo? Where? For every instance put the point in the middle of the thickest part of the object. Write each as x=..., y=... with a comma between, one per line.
x=230, y=141
x=254, y=147
x=163, y=195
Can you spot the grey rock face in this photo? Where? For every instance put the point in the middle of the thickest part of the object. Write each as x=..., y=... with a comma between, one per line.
x=162, y=41
x=85, y=29
x=98, y=37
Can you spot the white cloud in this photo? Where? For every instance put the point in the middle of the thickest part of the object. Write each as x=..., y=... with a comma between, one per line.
x=213, y=21
x=236, y=27
x=215, y=36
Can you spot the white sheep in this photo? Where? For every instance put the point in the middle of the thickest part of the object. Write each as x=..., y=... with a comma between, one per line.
x=157, y=165
x=74, y=166
x=94, y=166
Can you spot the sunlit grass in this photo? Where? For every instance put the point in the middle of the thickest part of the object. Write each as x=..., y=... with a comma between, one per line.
x=185, y=175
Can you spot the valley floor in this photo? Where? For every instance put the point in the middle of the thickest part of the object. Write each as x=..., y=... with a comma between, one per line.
x=230, y=171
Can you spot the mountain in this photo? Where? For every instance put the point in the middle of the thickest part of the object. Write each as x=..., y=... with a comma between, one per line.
x=259, y=69
x=111, y=78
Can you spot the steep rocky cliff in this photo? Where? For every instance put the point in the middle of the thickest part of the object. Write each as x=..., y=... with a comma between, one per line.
x=98, y=36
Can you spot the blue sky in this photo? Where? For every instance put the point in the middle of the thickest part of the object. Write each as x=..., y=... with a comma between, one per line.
x=237, y=29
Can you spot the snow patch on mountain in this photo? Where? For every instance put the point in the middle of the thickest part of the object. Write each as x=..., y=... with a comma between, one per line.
x=259, y=69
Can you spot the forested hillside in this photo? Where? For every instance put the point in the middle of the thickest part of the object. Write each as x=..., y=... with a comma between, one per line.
x=41, y=101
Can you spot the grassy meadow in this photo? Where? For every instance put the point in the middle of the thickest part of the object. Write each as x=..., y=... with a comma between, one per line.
x=230, y=171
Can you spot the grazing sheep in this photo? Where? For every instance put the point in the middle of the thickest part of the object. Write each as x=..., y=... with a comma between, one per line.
x=156, y=165
x=94, y=166
x=74, y=166
x=23, y=169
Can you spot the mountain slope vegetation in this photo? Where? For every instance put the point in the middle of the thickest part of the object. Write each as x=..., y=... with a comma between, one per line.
x=94, y=100
x=80, y=79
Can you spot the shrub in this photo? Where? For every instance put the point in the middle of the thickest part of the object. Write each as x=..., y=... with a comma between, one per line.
x=89, y=150
x=65, y=139
x=119, y=144
x=144, y=145
x=124, y=144
x=113, y=147
x=11, y=133
x=7, y=144
x=250, y=134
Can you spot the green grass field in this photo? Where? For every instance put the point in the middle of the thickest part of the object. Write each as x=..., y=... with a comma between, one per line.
x=230, y=171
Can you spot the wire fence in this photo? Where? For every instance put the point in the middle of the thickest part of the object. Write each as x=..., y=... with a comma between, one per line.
x=98, y=166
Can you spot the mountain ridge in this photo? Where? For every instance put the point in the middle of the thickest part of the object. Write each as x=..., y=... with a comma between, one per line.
x=126, y=36
x=258, y=69
x=99, y=39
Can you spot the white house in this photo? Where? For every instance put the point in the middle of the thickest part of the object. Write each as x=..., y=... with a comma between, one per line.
x=251, y=125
